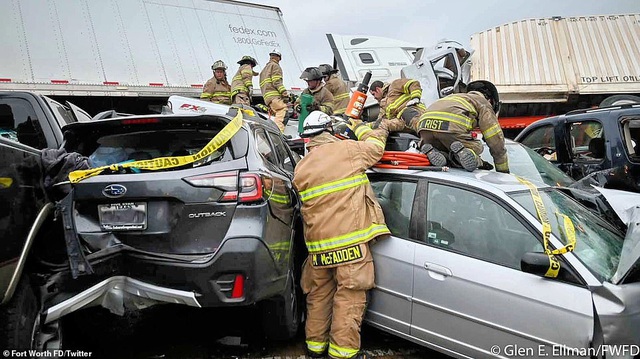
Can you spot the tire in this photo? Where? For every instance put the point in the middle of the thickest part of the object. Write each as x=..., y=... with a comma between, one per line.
x=18, y=317
x=20, y=327
x=617, y=100
x=282, y=315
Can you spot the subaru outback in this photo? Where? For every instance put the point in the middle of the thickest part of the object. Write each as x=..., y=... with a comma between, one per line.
x=219, y=230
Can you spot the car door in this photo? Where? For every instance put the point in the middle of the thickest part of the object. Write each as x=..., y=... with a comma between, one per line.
x=469, y=293
x=390, y=301
x=587, y=147
x=22, y=198
x=279, y=194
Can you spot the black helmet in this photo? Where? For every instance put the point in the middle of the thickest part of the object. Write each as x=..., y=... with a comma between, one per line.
x=489, y=91
x=327, y=69
x=247, y=60
x=311, y=73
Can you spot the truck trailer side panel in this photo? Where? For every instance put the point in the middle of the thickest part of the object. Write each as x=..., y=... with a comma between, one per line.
x=140, y=48
x=552, y=59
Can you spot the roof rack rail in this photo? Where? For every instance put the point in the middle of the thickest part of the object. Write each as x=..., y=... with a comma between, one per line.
x=598, y=109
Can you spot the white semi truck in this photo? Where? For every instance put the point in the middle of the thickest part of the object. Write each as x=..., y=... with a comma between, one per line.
x=541, y=67
x=130, y=55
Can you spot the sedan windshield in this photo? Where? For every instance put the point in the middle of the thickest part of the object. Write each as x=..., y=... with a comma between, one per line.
x=598, y=245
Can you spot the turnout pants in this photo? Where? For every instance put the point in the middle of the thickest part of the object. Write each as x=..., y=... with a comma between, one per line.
x=279, y=108
x=242, y=98
x=336, y=302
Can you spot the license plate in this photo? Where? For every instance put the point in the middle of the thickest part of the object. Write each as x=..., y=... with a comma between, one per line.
x=130, y=216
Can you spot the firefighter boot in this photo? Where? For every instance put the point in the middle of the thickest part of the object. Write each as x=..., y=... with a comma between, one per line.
x=313, y=355
x=436, y=158
x=464, y=156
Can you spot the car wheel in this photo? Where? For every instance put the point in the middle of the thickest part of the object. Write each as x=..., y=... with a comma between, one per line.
x=18, y=317
x=282, y=315
x=20, y=326
x=618, y=100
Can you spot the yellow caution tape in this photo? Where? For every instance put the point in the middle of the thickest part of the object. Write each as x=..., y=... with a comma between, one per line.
x=5, y=182
x=570, y=232
x=554, y=263
x=168, y=162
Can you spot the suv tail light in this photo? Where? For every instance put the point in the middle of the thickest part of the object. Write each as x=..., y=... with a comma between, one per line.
x=249, y=188
x=225, y=181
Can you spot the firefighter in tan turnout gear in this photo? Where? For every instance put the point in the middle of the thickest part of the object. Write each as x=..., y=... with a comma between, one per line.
x=322, y=98
x=274, y=93
x=242, y=82
x=337, y=87
x=447, y=124
x=217, y=88
x=340, y=215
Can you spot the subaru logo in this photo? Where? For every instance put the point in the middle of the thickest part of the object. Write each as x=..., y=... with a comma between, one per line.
x=114, y=190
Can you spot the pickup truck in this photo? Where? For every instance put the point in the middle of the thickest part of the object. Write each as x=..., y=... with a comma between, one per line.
x=595, y=146
x=29, y=123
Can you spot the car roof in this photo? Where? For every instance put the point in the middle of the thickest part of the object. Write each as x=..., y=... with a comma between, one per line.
x=589, y=112
x=487, y=180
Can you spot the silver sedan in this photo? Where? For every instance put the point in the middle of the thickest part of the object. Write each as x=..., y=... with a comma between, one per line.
x=465, y=270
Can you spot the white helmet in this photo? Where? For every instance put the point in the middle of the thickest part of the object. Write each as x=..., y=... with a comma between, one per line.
x=315, y=123
x=275, y=52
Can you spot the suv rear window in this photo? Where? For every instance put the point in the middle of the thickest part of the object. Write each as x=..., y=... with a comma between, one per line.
x=146, y=145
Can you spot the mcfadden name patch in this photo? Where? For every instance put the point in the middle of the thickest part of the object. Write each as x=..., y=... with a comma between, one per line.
x=338, y=256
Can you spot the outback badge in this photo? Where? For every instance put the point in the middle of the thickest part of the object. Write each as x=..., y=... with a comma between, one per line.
x=114, y=190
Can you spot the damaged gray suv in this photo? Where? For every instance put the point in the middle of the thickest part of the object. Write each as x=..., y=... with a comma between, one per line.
x=221, y=231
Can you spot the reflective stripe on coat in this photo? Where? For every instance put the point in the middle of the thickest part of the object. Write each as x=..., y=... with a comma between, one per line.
x=340, y=92
x=271, y=83
x=217, y=91
x=461, y=113
x=339, y=208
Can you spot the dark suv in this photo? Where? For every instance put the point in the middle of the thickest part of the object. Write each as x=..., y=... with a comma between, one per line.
x=223, y=231
x=599, y=146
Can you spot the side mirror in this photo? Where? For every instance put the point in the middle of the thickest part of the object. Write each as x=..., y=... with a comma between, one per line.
x=446, y=91
x=535, y=263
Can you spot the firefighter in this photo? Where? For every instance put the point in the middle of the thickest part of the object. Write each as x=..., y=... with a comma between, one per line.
x=217, y=88
x=379, y=91
x=242, y=82
x=322, y=98
x=337, y=87
x=446, y=126
x=340, y=215
x=274, y=93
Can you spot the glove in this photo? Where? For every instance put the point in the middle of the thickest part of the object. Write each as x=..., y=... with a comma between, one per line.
x=314, y=106
x=393, y=125
x=262, y=107
x=352, y=124
x=413, y=101
x=285, y=97
x=297, y=108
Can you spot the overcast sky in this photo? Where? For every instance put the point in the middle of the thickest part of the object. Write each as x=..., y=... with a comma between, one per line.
x=422, y=22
